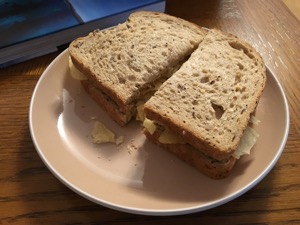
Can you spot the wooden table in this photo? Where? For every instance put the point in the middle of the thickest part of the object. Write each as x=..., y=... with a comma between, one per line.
x=30, y=194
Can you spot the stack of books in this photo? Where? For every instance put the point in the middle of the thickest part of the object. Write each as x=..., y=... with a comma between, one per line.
x=33, y=28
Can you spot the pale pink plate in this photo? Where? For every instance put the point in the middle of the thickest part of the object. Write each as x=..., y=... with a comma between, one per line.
x=138, y=177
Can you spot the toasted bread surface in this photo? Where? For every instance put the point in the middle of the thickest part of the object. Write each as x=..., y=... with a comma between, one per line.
x=209, y=100
x=122, y=60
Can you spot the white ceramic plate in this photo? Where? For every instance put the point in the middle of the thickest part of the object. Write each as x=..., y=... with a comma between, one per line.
x=138, y=177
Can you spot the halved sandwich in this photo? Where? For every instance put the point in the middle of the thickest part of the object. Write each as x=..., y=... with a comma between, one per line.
x=202, y=112
x=123, y=65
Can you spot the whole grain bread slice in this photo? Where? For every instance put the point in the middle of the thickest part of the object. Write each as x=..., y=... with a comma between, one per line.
x=209, y=100
x=124, y=60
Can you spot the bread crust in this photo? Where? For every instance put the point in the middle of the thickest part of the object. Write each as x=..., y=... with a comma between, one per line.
x=103, y=100
x=186, y=135
x=167, y=17
x=196, y=159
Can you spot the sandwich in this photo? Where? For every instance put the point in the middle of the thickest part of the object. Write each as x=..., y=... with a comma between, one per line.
x=121, y=67
x=202, y=113
x=195, y=90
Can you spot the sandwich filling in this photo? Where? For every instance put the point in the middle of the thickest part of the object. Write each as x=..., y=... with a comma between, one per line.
x=166, y=136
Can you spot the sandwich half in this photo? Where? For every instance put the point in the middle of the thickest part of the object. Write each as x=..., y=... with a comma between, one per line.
x=202, y=112
x=121, y=66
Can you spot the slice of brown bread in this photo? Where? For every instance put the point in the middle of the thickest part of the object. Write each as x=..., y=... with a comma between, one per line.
x=124, y=60
x=209, y=100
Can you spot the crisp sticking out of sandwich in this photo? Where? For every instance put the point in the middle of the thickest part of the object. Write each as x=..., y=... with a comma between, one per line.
x=123, y=62
x=207, y=104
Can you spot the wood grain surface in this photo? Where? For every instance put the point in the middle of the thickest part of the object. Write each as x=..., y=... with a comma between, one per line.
x=30, y=194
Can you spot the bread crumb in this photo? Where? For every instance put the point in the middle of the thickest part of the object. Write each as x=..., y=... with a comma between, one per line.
x=131, y=147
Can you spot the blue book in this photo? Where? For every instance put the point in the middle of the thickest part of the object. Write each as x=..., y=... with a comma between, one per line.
x=23, y=20
x=90, y=10
x=37, y=27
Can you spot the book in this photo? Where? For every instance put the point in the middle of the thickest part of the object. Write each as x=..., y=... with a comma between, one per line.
x=33, y=28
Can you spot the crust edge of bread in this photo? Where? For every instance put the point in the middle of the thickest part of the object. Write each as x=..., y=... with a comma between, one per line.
x=107, y=104
x=194, y=158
